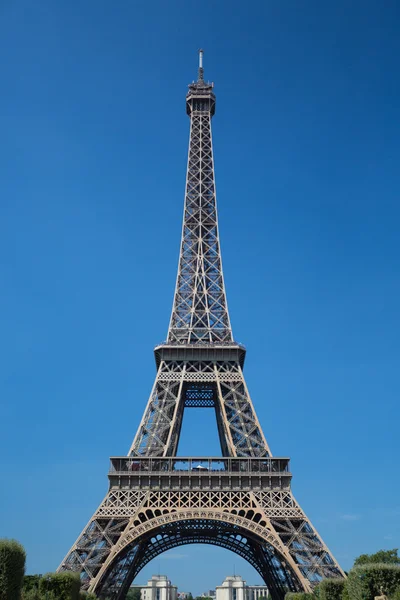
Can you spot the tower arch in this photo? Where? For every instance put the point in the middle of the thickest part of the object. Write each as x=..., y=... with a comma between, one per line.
x=258, y=546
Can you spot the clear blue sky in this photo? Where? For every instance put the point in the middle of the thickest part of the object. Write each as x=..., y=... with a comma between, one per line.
x=92, y=160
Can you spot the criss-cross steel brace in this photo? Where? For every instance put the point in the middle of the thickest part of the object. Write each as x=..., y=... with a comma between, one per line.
x=113, y=535
x=239, y=430
x=200, y=310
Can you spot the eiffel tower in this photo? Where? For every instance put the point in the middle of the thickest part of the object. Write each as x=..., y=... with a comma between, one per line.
x=241, y=500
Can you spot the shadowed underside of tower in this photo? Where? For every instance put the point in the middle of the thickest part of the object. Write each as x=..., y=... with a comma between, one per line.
x=241, y=500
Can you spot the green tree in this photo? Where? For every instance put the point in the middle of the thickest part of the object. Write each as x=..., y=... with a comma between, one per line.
x=133, y=593
x=331, y=589
x=87, y=596
x=345, y=593
x=30, y=588
x=388, y=557
x=31, y=582
x=32, y=594
x=62, y=586
x=364, y=582
x=299, y=596
x=396, y=594
x=12, y=569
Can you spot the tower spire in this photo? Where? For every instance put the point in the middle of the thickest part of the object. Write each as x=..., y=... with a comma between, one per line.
x=201, y=70
x=200, y=312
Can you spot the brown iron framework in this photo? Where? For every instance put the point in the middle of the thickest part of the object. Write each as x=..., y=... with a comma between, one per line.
x=241, y=500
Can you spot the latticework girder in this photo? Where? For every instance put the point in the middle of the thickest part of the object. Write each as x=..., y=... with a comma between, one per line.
x=240, y=501
x=217, y=384
x=200, y=312
x=129, y=528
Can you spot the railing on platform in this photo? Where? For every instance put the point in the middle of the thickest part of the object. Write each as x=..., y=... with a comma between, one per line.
x=127, y=464
x=202, y=344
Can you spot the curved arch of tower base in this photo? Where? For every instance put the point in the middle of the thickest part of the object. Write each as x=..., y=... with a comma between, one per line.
x=263, y=524
x=261, y=554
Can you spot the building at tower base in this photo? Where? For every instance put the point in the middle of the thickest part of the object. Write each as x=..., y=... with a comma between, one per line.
x=235, y=588
x=159, y=587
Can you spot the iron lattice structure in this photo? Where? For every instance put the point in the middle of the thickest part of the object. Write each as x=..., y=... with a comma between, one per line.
x=242, y=500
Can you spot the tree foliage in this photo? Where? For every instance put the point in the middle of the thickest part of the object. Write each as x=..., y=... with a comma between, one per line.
x=389, y=557
x=88, y=596
x=30, y=588
x=12, y=569
x=62, y=586
x=331, y=589
x=396, y=594
x=134, y=593
x=345, y=593
x=299, y=596
x=366, y=581
x=32, y=594
x=31, y=582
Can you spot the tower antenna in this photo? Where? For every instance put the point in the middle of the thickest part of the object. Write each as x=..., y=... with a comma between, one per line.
x=201, y=70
